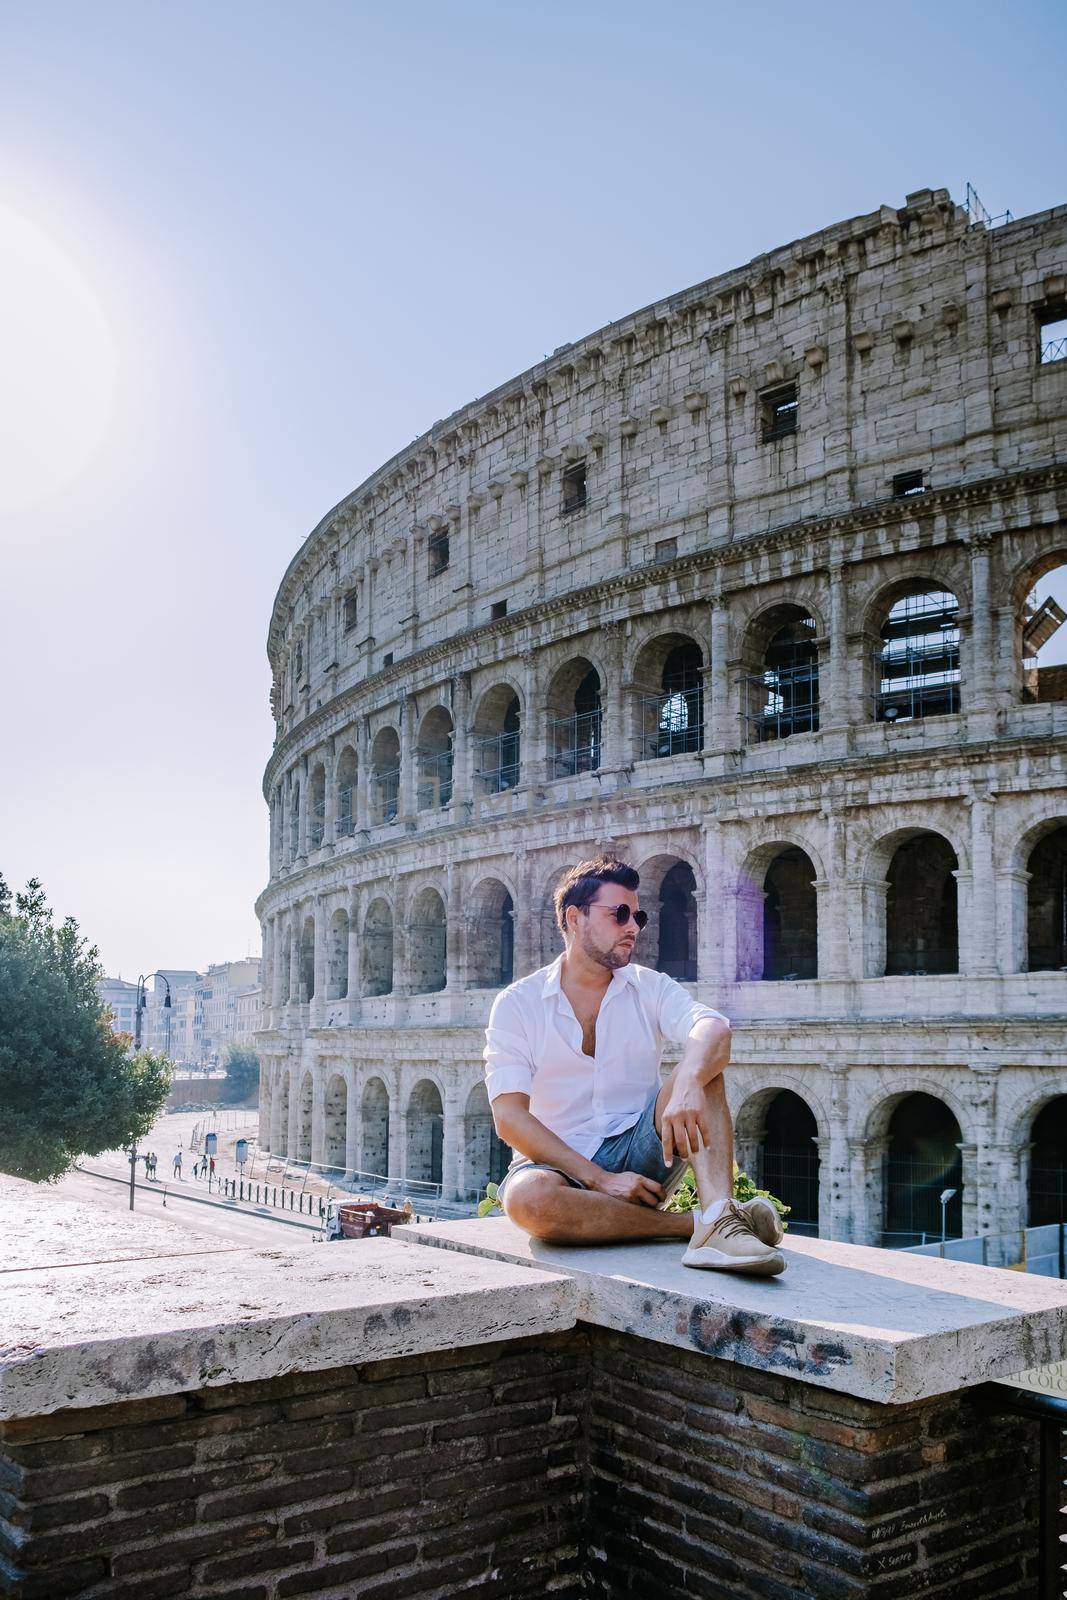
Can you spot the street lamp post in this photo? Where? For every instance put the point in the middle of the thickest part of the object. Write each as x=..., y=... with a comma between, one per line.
x=140, y=1002
x=946, y=1196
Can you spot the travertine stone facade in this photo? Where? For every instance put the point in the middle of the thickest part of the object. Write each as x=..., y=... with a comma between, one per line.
x=673, y=592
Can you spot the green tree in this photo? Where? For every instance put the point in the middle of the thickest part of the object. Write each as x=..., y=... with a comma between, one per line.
x=68, y=1085
x=242, y=1073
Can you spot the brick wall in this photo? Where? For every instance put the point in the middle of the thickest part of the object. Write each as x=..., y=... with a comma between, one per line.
x=589, y=1463
x=715, y=1481
x=395, y=1479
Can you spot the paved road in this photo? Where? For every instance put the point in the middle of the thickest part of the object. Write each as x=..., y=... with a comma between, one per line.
x=228, y=1226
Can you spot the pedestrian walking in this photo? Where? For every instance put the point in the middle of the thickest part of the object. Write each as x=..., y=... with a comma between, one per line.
x=211, y=1166
x=177, y=1163
x=152, y=1166
x=196, y=1168
x=148, y=1164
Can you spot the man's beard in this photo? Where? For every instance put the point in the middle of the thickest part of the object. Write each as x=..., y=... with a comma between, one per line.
x=613, y=958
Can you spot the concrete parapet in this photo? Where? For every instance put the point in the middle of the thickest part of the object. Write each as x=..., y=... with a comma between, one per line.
x=390, y=1419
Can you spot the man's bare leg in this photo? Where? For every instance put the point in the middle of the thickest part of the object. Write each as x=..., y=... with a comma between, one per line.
x=713, y=1163
x=548, y=1208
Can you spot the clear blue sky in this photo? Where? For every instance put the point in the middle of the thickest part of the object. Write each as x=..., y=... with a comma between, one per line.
x=279, y=241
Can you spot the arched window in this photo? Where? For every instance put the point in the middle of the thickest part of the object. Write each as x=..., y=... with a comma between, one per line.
x=335, y=1129
x=1046, y=903
x=921, y=929
x=426, y=1125
x=337, y=978
x=428, y=943
x=434, y=756
x=917, y=671
x=574, y=723
x=670, y=672
x=487, y=1156
x=1048, y=1164
x=497, y=740
x=1042, y=632
x=347, y=791
x=385, y=776
x=375, y=1127
x=783, y=691
x=491, y=937
x=789, y=1165
x=790, y=918
x=376, y=976
x=307, y=960
x=316, y=806
x=677, y=943
x=922, y=1161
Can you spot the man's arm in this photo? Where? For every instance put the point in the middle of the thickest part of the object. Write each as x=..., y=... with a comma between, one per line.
x=705, y=1055
x=518, y=1127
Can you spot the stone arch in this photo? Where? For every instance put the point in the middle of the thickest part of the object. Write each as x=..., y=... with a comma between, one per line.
x=385, y=775
x=914, y=628
x=434, y=757
x=669, y=893
x=376, y=966
x=921, y=911
x=1047, y=1188
x=374, y=1123
x=1046, y=900
x=347, y=784
x=923, y=1135
x=305, y=1112
x=1035, y=625
x=427, y=943
x=777, y=913
x=425, y=1119
x=575, y=718
x=780, y=660
x=668, y=677
x=316, y=805
x=486, y=1156
x=335, y=1122
x=497, y=732
x=337, y=956
x=307, y=960
x=782, y=1131
x=550, y=939
x=490, y=936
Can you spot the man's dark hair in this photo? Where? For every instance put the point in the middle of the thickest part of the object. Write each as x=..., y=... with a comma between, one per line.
x=582, y=882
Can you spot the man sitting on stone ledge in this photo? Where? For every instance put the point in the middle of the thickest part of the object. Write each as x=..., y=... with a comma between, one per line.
x=572, y=1061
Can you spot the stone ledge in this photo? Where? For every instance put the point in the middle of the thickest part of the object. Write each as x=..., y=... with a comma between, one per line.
x=176, y=1315
x=875, y=1324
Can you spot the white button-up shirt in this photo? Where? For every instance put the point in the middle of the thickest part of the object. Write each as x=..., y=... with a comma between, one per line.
x=533, y=1045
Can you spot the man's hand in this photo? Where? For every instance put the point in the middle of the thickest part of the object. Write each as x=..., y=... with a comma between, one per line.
x=630, y=1186
x=684, y=1121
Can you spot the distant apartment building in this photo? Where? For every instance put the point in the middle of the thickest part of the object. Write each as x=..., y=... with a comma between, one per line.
x=208, y=1011
x=119, y=997
x=226, y=1008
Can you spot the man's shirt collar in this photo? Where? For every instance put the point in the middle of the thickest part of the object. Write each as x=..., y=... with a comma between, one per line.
x=552, y=984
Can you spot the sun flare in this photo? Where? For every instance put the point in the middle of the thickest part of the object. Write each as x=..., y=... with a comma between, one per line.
x=58, y=375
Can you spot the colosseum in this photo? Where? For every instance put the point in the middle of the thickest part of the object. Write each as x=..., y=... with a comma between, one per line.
x=747, y=587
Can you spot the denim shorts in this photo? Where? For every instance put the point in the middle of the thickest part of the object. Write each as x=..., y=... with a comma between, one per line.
x=637, y=1149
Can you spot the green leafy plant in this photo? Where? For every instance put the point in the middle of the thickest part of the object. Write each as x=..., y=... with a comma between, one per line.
x=242, y=1073
x=684, y=1198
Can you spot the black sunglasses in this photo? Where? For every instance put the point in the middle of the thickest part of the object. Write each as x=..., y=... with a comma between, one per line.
x=622, y=914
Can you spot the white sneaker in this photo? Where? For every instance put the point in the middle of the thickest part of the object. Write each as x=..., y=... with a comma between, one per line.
x=731, y=1244
x=765, y=1219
